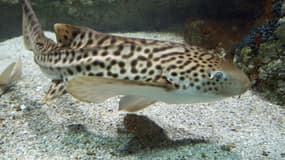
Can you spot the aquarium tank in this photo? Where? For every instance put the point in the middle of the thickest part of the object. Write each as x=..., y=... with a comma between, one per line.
x=142, y=79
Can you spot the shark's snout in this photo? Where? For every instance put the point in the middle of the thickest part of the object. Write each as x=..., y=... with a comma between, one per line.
x=236, y=81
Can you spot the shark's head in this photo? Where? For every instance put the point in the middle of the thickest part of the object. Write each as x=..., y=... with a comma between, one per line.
x=227, y=80
x=223, y=79
x=217, y=79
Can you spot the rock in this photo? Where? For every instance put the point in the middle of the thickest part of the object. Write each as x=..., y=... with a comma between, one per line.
x=213, y=34
x=224, y=29
x=254, y=43
x=269, y=71
x=283, y=8
x=280, y=32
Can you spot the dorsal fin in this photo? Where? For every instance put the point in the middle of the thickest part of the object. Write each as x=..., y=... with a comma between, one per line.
x=67, y=34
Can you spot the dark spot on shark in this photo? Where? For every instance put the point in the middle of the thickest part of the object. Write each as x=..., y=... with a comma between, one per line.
x=90, y=35
x=65, y=37
x=120, y=47
x=74, y=34
x=52, y=92
x=143, y=70
x=113, y=40
x=133, y=47
x=82, y=35
x=198, y=87
x=146, y=50
x=105, y=53
x=94, y=52
x=121, y=64
x=78, y=44
x=70, y=72
x=137, y=77
x=89, y=42
x=139, y=48
x=133, y=70
x=113, y=62
x=98, y=63
x=151, y=72
x=115, y=75
x=71, y=60
x=85, y=55
x=100, y=74
x=64, y=60
x=26, y=9
x=61, y=88
x=116, y=53
x=78, y=68
x=78, y=58
x=174, y=74
x=88, y=67
x=122, y=71
x=102, y=40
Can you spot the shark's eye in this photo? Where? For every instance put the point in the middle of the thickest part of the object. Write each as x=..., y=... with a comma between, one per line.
x=216, y=75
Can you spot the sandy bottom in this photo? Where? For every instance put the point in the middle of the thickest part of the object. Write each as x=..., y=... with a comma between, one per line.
x=235, y=128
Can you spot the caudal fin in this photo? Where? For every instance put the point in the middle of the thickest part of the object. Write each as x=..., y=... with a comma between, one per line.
x=34, y=38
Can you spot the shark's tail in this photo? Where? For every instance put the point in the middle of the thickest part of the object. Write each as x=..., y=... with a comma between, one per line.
x=34, y=38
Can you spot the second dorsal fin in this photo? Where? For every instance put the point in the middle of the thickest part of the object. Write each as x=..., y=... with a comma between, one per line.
x=66, y=34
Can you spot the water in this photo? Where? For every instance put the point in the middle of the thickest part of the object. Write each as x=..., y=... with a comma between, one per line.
x=249, y=127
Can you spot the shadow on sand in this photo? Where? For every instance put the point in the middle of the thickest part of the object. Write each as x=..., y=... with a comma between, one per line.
x=149, y=135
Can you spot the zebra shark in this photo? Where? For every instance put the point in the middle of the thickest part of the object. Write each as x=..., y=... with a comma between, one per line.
x=93, y=66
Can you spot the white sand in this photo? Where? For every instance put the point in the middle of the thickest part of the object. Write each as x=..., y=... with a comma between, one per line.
x=30, y=129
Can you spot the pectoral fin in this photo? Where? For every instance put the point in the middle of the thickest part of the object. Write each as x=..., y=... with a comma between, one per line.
x=134, y=103
x=96, y=89
x=89, y=89
x=56, y=89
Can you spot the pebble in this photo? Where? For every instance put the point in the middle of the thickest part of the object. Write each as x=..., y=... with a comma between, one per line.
x=23, y=107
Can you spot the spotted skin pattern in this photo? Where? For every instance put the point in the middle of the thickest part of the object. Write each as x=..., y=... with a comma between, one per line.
x=84, y=51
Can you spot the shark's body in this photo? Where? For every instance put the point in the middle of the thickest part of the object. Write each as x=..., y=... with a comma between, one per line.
x=144, y=70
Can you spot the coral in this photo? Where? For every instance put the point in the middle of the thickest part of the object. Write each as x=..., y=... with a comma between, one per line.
x=267, y=70
x=265, y=61
x=257, y=46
